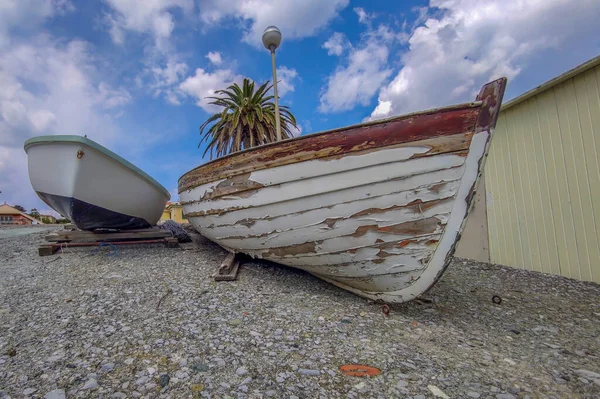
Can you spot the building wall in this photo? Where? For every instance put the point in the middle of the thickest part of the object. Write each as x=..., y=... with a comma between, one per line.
x=474, y=242
x=543, y=181
x=177, y=214
x=14, y=219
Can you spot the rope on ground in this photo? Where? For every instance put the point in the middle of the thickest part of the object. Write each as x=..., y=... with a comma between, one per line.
x=115, y=250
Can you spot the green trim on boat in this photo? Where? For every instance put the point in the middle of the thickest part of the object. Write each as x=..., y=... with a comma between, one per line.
x=85, y=141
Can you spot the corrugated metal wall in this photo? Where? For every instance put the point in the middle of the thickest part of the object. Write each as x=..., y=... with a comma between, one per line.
x=543, y=181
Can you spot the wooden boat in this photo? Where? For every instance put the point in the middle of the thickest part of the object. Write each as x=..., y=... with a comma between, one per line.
x=376, y=208
x=92, y=186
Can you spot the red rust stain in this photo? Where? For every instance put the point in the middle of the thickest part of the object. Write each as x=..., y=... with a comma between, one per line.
x=213, y=211
x=422, y=226
x=379, y=241
x=383, y=254
x=404, y=243
x=432, y=242
x=298, y=249
x=247, y=222
x=330, y=222
x=423, y=206
x=491, y=95
x=240, y=185
x=419, y=206
x=437, y=187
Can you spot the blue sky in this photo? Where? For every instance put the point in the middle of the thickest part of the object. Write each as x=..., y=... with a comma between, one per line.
x=133, y=75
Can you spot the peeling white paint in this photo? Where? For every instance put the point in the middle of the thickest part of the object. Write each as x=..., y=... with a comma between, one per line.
x=325, y=183
x=316, y=223
x=329, y=199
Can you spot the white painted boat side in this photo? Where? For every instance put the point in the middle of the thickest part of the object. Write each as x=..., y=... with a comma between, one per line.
x=95, y=178
x=329, y=200
x=323, y=184
x=398, y=276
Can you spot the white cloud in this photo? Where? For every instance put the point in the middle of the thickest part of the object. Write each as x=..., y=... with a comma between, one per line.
x=28, y=14
x=48, y=87
x=336, y=44
x=363, y=17
x=467, y=43
x=295, y=19
x=285, y=80
x=214, y=57
x=366, y=71
x=154, y=17
x=296, y=131
x=204, y=84
x=163, y=80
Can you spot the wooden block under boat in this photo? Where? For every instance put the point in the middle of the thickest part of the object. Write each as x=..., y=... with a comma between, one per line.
x=78, y=235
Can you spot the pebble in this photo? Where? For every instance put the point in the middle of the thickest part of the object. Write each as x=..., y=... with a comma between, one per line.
x=437, y=392
x=56, y=394
x=142, y=380
x=309, y=372
x=164, y=380
x=587, y=374
x=90, y=384
x=107, y=367
x=241, y=371
x=29, y=391
x=200, y=367
x=303, y=330
x=505, y=396
x=182, y=375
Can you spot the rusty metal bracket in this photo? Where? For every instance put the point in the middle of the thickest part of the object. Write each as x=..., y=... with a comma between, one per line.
x=80, y=154
x=385, y=309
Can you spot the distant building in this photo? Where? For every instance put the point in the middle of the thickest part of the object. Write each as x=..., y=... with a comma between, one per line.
x=173, y=211
x=538, y=206
x=49, y=219
x=10, y=215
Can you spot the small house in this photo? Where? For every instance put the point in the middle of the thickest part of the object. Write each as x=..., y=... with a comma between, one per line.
x=10, y=215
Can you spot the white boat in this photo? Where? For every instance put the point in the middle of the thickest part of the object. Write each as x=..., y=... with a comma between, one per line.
x=91, y=185
x=376, y=208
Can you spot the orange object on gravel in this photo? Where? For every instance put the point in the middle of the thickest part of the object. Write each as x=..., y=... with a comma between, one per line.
x=359, y=370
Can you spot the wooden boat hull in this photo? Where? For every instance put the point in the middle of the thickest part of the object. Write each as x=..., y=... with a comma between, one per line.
x=92, y=186
x=376, y=209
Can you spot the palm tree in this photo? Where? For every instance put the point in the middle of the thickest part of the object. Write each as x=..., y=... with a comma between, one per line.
x=247, y=119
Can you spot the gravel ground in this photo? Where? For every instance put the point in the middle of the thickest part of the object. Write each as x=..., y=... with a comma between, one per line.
x=151, y=322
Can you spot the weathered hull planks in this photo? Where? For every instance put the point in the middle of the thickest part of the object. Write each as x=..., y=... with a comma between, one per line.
x=375, y=209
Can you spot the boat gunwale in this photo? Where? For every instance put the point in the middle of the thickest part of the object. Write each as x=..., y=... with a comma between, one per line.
x=72, y=138
x=262, y=147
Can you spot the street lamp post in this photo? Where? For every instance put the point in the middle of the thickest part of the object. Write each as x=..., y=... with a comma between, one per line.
x=271, y=39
